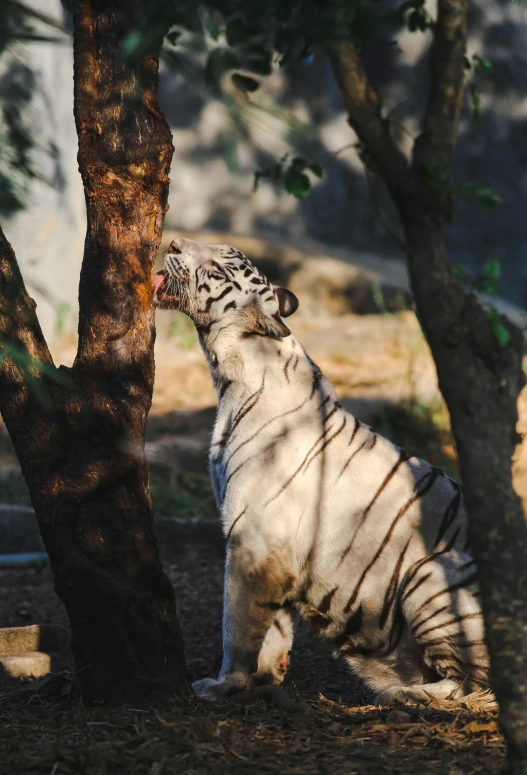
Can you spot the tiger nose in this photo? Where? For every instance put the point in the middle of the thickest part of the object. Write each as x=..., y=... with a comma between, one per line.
x=173, y=247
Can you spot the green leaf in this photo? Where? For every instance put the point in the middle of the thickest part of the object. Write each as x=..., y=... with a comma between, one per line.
x=480, y=195
x=244, y=83
x=483, y=285
x=488, y=282
x=316, y=169
x=481, y=64
x=297, y=183
x=492, y=270
x=498, y=329
x=459, y=271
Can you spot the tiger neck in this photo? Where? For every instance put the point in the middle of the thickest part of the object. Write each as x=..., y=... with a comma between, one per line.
x=237, y=361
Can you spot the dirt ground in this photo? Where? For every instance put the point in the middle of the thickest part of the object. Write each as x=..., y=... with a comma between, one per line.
x=340, y=732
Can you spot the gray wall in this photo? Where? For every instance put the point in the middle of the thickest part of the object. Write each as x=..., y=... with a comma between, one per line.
x=48, y=235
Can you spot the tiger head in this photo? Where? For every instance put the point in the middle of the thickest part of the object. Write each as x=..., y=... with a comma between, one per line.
x=213, y=283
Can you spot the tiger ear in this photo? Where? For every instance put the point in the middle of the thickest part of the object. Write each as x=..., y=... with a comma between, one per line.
x=259, y=323
x=287, y=302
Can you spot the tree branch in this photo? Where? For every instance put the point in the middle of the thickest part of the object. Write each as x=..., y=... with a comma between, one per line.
x=438, y=138
x=364, y=114
x=21, y=338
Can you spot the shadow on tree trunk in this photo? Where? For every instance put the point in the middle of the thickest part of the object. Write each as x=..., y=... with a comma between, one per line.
x=79, y=433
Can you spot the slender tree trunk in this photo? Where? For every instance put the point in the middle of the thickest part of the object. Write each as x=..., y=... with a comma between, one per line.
x=481, y=382
x=480, y=379
x=79, y=433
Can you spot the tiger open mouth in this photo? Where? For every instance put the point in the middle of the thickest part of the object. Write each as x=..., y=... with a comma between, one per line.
x=161, y=295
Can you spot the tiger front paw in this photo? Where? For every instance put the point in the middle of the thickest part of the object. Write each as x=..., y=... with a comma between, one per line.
x=211, y=689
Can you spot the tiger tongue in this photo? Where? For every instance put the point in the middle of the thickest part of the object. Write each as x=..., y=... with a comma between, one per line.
x=159, y=281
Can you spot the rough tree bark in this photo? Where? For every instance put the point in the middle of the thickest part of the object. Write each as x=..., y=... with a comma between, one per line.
x=79, y=432
x=479, y=379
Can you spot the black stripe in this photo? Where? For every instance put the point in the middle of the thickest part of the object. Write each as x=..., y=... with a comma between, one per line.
x=325, y=603
x=428, y=618
x=225, y=385
x=460, y=585
x=415, y=586
x=449, y=515
x=327, y=442
x=403, y=457
x=300, y=467
x=466, y=644
x=348, y=461
x=426, y=482
x=392, y=588
x=317, y=376
x=245, y=407
x=454, y=620
x=418, y=565
x=354, y=432
x=212, y=299
x=286, y=366
x=232, y=473
x=396, y=632
x=262, y=427
x=353, y=625
x=269, y=605
x=234, y=523
x=330, y=414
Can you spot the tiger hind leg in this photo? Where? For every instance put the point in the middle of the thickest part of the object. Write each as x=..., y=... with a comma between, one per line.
x=440, y=604
x=273, y=659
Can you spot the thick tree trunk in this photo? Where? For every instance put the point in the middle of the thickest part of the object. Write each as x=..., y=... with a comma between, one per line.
x=481, y=382
x=82, y=448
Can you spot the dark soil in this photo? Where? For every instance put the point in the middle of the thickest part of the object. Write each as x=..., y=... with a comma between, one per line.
x=54, y=734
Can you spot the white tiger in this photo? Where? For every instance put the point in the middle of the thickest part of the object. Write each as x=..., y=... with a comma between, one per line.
x=321, y=515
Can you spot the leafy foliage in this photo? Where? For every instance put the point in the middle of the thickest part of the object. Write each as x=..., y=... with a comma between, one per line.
x=487, y=282
x=479, y=66
x=498, y=329
x=414, y=13
x=292, y=175
x=480, y=195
